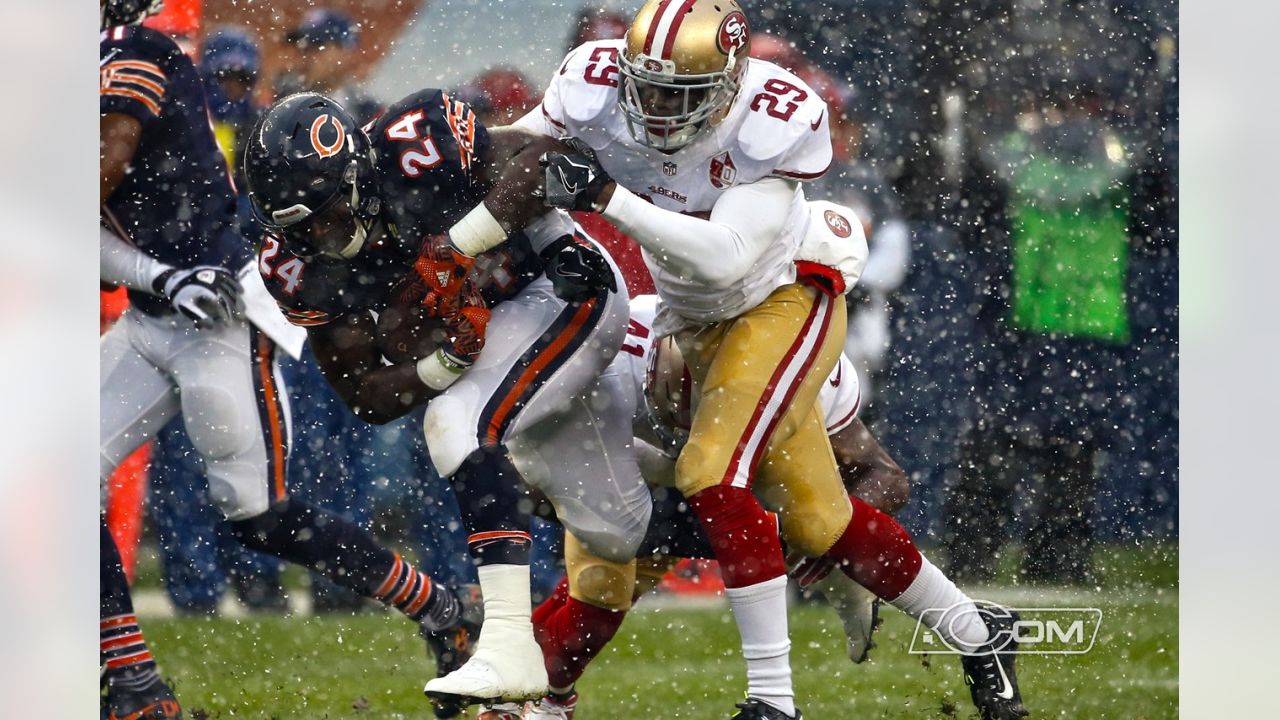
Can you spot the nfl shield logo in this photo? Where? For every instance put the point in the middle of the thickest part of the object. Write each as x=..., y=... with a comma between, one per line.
x=723, y=171
x=668, y=168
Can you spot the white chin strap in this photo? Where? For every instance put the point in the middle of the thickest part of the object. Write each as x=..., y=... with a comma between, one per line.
x=354, y=247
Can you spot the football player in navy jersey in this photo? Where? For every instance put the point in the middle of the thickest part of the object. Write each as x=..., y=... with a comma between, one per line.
x=499, y=348
x=196, y=341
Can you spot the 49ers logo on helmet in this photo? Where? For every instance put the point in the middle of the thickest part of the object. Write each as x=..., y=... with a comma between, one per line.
x=322, y=148
x=734, y=33
x=838, y=223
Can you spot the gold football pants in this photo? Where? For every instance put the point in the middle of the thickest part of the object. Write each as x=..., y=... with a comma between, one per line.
x=758, y=423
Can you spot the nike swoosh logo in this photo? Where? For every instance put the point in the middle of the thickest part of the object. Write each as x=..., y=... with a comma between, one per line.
x=571, y=188
x=1005, y=693
x=818, y=122
x=835, y=381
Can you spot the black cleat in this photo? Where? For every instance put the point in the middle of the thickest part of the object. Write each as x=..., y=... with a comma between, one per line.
x=989, y=670
x=153, y=702
x=754, y=709
x=454, y=646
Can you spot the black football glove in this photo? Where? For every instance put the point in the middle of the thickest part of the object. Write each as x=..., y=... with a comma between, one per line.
x=575, y=180
x=207, y=294
x=577, y=270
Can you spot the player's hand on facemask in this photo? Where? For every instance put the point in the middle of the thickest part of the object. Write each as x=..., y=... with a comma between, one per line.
x=577, y=270
x=207, y=294
x=574, y=181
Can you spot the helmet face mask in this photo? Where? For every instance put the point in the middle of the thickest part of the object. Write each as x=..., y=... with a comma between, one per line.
x=667, y=111
x=311, y=178
x=681, y=68
x=113, y=13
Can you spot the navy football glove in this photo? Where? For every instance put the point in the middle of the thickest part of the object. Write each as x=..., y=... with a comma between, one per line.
x=577, y=270
x=575, y=180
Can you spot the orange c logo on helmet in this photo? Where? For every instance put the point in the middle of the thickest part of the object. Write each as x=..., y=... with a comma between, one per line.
x=327, y=149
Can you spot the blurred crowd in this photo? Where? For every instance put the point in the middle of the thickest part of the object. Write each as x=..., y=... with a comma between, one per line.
x=1014, y=164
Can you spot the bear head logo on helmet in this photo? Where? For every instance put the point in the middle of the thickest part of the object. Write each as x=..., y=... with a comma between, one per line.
x=681, y=66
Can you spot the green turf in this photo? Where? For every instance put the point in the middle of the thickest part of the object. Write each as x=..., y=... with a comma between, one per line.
x=667, y=664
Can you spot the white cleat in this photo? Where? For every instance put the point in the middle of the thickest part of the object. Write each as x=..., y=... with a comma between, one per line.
x=551, y=708
x=859, y=611
x=507, y=667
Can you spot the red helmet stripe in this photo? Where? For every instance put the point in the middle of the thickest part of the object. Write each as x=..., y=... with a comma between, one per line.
x=653, y=27
x=675, y=28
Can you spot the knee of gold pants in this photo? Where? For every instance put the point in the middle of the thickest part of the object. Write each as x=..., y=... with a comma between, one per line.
x=758, y=374
x=596, y=581
x=801, y=482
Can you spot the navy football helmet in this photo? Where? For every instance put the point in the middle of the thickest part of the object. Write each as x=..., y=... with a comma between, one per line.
x=311, y=178
x=114, y=13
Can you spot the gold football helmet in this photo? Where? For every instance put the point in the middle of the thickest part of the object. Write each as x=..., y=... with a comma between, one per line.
x=681, y=66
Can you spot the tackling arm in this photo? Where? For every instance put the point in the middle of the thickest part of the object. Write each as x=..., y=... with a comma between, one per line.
x=717, y=251
x=868, y=470
x=514, y=200
x=118, y=137
x=347, y=353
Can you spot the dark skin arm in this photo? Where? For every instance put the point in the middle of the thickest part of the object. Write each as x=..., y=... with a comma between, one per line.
x=118, y=138
x=869, y=472
x=511, y=168
x=348, y=355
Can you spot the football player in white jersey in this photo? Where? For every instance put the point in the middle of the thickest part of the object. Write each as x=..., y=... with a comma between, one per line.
x=696, y=152
x=575, y=624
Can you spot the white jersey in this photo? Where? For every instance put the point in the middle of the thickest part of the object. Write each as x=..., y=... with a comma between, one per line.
x=840, y=397
x=776, y=127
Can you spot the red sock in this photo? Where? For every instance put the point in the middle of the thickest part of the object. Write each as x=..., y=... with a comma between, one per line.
x=876, y=552
x=572, y=636
x=554, y=601
x=743, y=535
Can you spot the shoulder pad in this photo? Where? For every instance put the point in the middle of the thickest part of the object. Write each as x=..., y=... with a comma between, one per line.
x=782, y=112
x=588, y=79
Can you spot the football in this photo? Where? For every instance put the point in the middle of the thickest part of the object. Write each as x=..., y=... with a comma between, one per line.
x=405, y=331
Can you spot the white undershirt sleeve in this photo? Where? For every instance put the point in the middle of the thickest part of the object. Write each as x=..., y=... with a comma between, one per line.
x=718, y=251
x=123, y=264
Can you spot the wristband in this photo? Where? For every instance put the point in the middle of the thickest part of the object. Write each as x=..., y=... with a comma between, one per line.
x=478, y=231
x=438, y=372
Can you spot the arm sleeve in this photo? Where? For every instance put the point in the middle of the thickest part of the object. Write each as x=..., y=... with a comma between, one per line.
x=717, y=251
x=123, y=264
x=133, y=83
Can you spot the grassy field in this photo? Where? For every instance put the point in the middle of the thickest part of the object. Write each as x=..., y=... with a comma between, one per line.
x=683, y=662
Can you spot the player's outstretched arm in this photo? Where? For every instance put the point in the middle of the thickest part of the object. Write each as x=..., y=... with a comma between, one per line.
x=347, y=353
x=514, y=200
x=868, y=470
x=118, y=137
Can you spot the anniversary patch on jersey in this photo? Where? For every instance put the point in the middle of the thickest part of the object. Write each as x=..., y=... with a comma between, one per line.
x=722, y=171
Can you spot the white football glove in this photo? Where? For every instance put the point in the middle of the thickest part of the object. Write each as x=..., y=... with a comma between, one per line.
x=207, y=294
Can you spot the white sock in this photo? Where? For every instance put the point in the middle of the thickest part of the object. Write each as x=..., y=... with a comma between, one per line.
x=508, y=607
x=950, y=612
x=761, y=613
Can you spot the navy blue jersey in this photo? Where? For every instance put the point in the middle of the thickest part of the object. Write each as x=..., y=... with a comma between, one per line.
x=426, y=147
x=177, y=202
